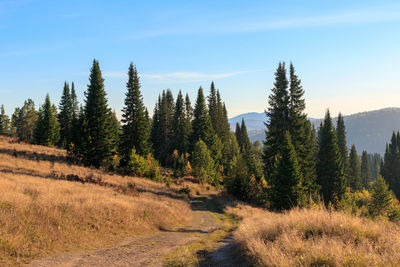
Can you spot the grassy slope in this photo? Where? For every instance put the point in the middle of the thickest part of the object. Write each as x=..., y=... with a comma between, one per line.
x=40, y=215
x=304, y=237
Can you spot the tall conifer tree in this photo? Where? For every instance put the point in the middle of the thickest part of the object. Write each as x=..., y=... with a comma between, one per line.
x=201, y=125
x=180, y=126
x=354, y=182
x=47, y=130
x=391, y=164
x=97, y=140
x=286, y=183
x=329, y=166
x=135, y=127
x=65, y=117
x=342, y=144
x=4, y=122
x=366, y=176
x=278, y=119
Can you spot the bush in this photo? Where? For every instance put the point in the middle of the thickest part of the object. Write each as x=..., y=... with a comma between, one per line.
x=153, y=170
x=355, y=202
x=203, y=163
x=137, y=164
x=181, y=164
x=381, y=198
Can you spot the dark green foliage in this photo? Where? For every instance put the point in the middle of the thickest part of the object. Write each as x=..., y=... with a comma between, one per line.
x=74, y=102
x=391, y=165
x=237, y=181
x=375, y=162
x=162, y=129
x=330, y=174
x=341, y=137
x=115, y=131
x=97, y=138
x=135, y=128
x=47, y=129
x=307, y=158
x=381, y=197
x=4, y=122
x=230, y=154
x=366, y=176
x=203, y=163
x=286, y=182
x=218, y=114
x=180, y=126
x=202, y=128
x=278, y=114
x=253, y=164
x=65, y=117
x=302, y=134
x=354, y=181
x=286, y=113
x=23, y=121
x=213, y=107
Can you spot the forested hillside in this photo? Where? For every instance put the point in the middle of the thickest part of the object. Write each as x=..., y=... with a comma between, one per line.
x=368, y=130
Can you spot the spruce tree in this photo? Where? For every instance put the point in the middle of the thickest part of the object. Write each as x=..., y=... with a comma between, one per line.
x=366, y=176
x=253, y=165
x=135, y=126
x=202, y=163
x=65, y=117
x=342, y=144
x=330, y=174
x=225, y=128
x=286, y=182
x=201, y=125
x=155, y=134
x=354, y=181
x=24, y=121
x=180, y=126
x=278, y=119
x=391, y=164
x=301, y=133
x=4, y=122
x=381, y=197
x=74, y=102
x=116, y=131
x=212, y=107
x=188, y=108
x=162, y=129
x=97, y=140
x=47, y=129
x=238, y=134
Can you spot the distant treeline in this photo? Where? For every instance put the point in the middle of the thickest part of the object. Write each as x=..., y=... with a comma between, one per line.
x=296, y=164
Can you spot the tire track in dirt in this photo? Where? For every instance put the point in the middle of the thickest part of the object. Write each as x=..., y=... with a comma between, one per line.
x=149, y=250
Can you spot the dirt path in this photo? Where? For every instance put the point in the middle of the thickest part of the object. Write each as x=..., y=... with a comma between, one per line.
x=149, y=250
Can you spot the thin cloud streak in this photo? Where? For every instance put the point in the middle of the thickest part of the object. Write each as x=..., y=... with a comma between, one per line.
x=185, y=77
x=355, y=17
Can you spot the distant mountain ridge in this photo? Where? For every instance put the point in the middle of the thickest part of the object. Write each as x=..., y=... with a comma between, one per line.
x=369, y=130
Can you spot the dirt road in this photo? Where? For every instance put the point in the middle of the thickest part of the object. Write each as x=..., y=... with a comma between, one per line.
x=151, y=250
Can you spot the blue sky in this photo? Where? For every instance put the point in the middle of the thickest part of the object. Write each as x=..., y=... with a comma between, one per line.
x=347, y=53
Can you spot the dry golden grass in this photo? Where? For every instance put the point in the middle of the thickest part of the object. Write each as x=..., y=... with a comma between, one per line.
x=306, y=237
x=40, y=215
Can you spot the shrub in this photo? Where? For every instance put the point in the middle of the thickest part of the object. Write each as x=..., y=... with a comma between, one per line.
x=137, y=164
x=153, y=170
x=203, y=163
x=381, y=198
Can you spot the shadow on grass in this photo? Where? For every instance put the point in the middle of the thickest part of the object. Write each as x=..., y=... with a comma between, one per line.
x=33, y=155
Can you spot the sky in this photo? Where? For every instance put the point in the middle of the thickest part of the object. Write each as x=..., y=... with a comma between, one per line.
x=346, y=53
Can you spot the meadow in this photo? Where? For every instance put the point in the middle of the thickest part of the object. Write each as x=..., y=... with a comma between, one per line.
x=42, y=213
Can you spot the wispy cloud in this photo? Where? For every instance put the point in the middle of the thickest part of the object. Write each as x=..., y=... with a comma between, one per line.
x=180, y=77
x=370, y=15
